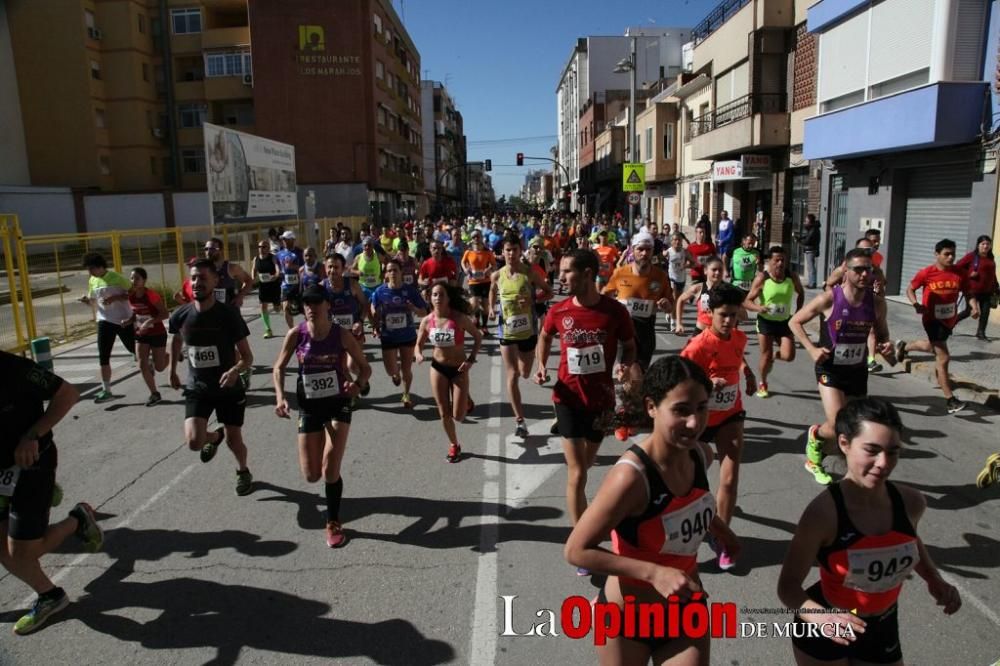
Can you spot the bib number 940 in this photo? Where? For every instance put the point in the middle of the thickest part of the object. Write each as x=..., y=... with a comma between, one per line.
x=685, y=528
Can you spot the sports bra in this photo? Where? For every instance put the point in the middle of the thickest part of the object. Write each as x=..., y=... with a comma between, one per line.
x=445, y=333
x=867, y=572
x=671, y=528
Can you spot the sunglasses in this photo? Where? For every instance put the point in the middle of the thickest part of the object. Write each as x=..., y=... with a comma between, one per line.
x=861, y=270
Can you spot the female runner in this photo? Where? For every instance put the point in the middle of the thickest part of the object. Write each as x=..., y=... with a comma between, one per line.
x=148, y=314
x=656, y=504
x=445, y=328
x=324, y=395
x=698, y=292
x=862, y=532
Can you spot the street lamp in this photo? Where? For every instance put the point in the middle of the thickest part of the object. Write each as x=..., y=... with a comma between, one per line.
x=629, y=65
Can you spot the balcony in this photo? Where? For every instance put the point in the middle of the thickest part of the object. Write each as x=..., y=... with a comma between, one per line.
x=227, y=87
x=716, y=18
x=219, y=38
x=932, y=116
x=751, y=121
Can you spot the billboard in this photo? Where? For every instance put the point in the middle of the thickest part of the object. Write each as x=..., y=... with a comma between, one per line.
x=248, y=176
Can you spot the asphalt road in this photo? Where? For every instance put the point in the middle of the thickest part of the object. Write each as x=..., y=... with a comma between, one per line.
x=193, y=574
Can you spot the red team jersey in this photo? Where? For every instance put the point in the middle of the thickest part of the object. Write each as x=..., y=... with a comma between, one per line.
x=145, y=308
x=941, y=291
x=721, y=359
x=441, y=270
x=700, y=254
x=588, y=344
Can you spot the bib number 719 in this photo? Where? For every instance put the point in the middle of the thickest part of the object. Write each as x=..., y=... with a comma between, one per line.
x=585, y=360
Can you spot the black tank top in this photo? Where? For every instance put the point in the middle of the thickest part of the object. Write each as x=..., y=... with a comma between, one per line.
x=227, y=283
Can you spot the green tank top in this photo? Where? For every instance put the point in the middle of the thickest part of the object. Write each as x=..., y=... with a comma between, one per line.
x=778, y=296
x=371, y=271
x=744, y=267
x=517, y=320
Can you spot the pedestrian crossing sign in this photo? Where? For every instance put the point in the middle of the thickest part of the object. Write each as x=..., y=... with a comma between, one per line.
x=633, y=177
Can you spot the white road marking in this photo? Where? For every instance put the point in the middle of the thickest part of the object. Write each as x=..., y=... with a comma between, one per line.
x=483, y=645
x=124, y=523
x=971, y=598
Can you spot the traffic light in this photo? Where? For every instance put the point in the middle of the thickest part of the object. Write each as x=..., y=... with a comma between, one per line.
x=489, y=165
x=520, y=159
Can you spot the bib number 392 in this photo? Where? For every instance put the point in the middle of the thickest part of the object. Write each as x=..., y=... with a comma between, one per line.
x=8, y=480
x=321, y=385
x=585, y=360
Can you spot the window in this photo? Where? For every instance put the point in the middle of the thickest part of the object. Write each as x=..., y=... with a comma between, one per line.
x=232, y=63
x=391, y=81
x=95, y=70
x=381, y=116
x=145, y=71
x=388, y=36
x=142, y=29
x=379, y=70
x=104, y=162
x=186, y=21
x=100, y=119
x=649, y=144
x=383, y=159
x=193, y=160
x=191, y=68
x=668, y=141
x=437, y=104
x=377, y=20
x=88, y=19
x=240, y=113
x=191, y=115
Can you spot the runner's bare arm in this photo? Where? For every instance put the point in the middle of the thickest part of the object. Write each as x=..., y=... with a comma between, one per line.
x=278, y=371
x=800, y=293
x=812, y=309
x=355, y=351
x=541, y=284
x=175, y=352
x=750, y=302
x=542, y=349
x=836, y=277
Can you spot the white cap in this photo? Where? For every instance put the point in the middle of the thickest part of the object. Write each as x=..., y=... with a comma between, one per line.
x=288, y=235
x=642, y=238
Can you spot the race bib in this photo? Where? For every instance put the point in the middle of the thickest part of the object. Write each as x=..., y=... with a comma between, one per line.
x=266, y=277
x=142, y=320
x=703, y=301
x=477, y=275
x=517, y=324
x=850, y=354
x=703, y=259
x=442, y=337
x=407, y=279
x=640, y=307
x=944, y=310
x=777, y=309
x=585, y=360
x=291, y=278
x=724, y=398
x=880, y=569
x=395, y=321
x=220, y=295
x=369, y=280
x=321, y=385
x=203, y=357
x=343, y=320
x=686, y=527
x=8, y=480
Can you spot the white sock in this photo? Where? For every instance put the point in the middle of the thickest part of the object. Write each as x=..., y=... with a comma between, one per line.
x=106, y=385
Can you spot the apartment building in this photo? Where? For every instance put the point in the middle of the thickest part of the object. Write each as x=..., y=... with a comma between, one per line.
x=904, y=116
x=657, y=149
x=117, y=99
x=444, y=150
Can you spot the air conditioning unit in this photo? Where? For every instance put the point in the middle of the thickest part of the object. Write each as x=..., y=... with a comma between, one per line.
x=95, y=33
x=248, y=79
x=157, y=132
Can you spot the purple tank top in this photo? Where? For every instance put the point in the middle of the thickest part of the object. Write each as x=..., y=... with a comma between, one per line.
x=322, y=364
x=846, y=331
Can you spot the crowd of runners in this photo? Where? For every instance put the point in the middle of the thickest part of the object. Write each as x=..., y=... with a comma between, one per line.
x=597, y=291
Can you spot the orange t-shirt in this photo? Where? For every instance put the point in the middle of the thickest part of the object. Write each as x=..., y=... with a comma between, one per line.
x=720, y=359
x=480, y=262
x=607, y=255
x=638, y=293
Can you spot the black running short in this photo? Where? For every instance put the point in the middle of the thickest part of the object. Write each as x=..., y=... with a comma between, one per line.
x=155, y=341
x=851, y=379
x=315, y=414
x=936, y=331
x=774, y=329
x=270, y=292
x=106, y=334
x=392, y=344
x=645, y=341
x=480, y=290
x=711, y=431
x=526, y=345
x=27, y=510
x=229, y=407
x=579, y=423
x=879, y=644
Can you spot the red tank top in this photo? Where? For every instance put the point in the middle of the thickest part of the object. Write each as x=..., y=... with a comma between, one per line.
x=671, y=528
x=444, y=333
x=866, y=572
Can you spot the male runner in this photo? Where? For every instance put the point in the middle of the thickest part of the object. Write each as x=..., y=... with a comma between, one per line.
x=847, y=313
x=265, y=271
x=441, y=267
x=590, y=327
x=942, y=283
x=877, y=285
x=234, y=283
x=108, y=292
x=775, y=289
x=213, y=334
x=607, y=257
x=701, y=250
x=290, y=259
x=746, y=262
x=27, y=481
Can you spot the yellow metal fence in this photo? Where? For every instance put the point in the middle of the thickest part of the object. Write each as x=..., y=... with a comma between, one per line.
x=41, y=277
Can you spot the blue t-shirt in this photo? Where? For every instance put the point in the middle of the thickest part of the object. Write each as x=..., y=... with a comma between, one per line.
x=727, y=234
x=528, y=233
x=396, y=322
x=288, y=263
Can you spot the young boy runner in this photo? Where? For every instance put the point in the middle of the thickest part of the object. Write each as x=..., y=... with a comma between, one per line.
x=775, y=289
x=942, y=283
x=847, y=313
x=719, y=351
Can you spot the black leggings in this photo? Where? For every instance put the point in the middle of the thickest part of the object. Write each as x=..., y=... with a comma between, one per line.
x=106, y=333
x=984, y=312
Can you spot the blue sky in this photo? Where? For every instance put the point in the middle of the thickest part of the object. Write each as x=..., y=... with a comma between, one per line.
x=501, y=62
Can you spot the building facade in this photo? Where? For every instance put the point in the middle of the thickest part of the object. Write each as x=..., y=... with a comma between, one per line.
x=444, y=150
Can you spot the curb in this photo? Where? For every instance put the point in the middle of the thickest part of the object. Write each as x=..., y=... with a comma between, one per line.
x=987, y=397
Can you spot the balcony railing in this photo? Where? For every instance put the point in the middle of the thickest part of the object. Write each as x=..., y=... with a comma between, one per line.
x=724, y=11
x=738, y=109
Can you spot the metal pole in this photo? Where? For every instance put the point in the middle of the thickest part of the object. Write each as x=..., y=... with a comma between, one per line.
x=632, y=141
